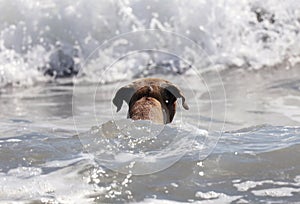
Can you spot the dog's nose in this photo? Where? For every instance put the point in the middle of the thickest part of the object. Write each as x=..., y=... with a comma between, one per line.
x=148, y=108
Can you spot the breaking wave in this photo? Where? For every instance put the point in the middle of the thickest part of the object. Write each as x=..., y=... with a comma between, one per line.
x=44, y=40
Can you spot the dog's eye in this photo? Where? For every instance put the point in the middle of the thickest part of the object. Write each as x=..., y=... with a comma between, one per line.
x=167, y=101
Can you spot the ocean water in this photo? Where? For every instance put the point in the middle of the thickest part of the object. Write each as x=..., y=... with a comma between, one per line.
x=62, y=141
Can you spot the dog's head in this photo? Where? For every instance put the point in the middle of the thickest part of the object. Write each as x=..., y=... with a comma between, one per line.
x=150, y=99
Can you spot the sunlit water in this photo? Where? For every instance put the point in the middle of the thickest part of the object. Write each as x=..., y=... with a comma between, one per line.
x=61, y=140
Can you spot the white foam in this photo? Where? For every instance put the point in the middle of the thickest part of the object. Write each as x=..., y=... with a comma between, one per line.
x=24, y=172
x=211, y=197
x=65, y=185
x=245, y=186
x=249, y=185
x=11, y=140
x=27, y=36
x=276, y=192
x=208, y=195
x=156, y=201
x=297, y=179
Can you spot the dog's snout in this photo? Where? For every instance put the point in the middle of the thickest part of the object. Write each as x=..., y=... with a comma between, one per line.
x=147, y=108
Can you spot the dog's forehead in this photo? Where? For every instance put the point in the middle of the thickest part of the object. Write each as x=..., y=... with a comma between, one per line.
x=149, y=82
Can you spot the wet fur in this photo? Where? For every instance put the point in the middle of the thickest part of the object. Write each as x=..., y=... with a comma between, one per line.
x=150, y=99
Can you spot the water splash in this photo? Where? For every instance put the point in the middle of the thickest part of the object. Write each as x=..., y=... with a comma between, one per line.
x=141, y=147
x=243, y=34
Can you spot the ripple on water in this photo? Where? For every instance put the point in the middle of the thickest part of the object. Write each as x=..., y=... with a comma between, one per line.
x=141, y=147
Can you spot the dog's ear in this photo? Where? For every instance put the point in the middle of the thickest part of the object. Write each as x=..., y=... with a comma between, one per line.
x=176, y=92
x=125, y=93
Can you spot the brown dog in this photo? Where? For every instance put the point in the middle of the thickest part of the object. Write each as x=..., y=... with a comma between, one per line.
x=150, y=99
